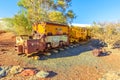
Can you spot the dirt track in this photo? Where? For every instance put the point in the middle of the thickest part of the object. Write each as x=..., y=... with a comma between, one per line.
x=76, y=63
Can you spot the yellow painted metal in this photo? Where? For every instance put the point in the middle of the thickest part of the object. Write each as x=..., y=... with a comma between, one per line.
x=89, y=32
x=34, y=27
x=50, y=28
x=78, y=33
x=41, y=29
x=56, y=29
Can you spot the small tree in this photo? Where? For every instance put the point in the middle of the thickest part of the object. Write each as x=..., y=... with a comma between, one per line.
x=21, y=24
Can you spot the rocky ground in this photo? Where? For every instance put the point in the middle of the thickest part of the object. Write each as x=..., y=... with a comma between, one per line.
x=77, y=63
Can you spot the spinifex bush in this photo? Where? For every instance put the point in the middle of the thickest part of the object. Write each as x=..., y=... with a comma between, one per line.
x=108, y=33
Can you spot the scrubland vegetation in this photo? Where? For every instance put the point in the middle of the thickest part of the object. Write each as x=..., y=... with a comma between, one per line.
x=108, y=33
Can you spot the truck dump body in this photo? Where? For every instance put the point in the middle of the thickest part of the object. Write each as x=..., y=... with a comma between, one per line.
x=51, y=28
x=78, y=34
x=56, y=29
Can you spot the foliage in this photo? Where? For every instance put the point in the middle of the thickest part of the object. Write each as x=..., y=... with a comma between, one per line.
x=21, y=24
x=56, y=17
x=47, y=10
x=108, y=33
x=18, y=24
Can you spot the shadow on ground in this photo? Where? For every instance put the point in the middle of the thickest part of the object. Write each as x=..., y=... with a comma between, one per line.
x=88, y=46
x=51, y=74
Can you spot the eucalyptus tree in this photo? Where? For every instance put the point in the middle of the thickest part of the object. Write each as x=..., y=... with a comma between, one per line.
x=47, y=10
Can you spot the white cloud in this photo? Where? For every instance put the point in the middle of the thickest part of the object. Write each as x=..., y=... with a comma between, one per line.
x=1, y=20
x=81, y=25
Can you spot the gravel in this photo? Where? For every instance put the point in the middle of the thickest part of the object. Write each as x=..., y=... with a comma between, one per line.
x=111, y=75
x=79, y=55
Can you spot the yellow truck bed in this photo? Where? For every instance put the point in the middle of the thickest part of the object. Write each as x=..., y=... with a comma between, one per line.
x=78, y=33
x=50, y=28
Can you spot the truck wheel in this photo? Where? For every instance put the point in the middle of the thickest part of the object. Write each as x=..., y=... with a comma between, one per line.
x=48, y=46
x=61, y=44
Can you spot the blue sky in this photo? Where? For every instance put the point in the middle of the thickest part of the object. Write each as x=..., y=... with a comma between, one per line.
x=87, y=11
x=8, y=8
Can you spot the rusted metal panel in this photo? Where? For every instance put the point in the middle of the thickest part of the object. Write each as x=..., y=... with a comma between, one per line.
x=32, y=45
x=55, y=40
x=19, y=48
